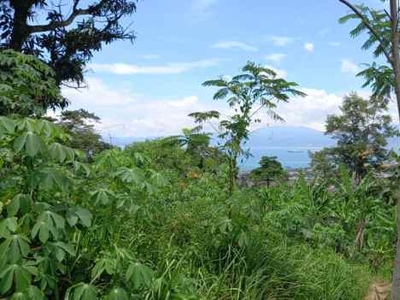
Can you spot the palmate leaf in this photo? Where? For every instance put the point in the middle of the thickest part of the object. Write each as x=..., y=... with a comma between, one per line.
x=60, y=249
x=81, y=291
x=139, y=275
x=32, y=293
x=14, y=248
x=27, y=124
x=48, y=223
x=78, y=214
x=8, y=226
x=20, y=202
x=53, y=179
x=130, y=175
x=61, y=153
x=30, y=143
x=102, y=265
x=19, y=276
x=82, y=168
x=7, y=125
x=102, y=196
x=117, y=294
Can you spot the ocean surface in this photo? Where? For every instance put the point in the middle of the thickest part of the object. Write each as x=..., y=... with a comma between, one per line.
x=289, y=157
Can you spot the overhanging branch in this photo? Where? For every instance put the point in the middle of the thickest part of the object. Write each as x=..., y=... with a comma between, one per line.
x=370, y=27
x=68, y=21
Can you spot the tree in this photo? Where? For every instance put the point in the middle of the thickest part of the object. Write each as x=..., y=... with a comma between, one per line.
x=79, y=125
x=383, y=36
x=270, y=170
x=361, y=131
x=256, y=86
x=27, y=86
x=323, y=164
x=70, y=34
x=382, y=28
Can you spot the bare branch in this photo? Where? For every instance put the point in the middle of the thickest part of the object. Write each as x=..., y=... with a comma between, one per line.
x=370, y=27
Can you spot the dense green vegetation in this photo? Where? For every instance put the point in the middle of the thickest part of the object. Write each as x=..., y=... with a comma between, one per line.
x=162, y=219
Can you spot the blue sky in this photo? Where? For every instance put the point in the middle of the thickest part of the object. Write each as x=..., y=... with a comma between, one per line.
x=148, y=88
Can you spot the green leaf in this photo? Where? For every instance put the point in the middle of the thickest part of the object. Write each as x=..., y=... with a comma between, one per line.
x=17, y=274
x=27, y=124
x=103, y=264
x=14, y=248
x=32, y=293
x=130, y=175
x=117, y=294
x=81, y=214
x=61, y=153
x=30, y=142
x=7, y=124
x=243, y=240
x=139, y=275
x=102, y=196
x=52, y=178
x=19, y=143
x=81, y=291
x=61, y=249
x=48, y=222
x=8, y=226
x=33, y=144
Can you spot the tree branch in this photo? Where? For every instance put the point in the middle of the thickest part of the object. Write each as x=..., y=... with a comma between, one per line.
x=370, y=27
x=68, y=21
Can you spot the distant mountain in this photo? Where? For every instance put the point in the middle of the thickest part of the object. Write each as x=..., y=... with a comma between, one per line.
x=276, y=136
x=289, y=143
x=289, y=136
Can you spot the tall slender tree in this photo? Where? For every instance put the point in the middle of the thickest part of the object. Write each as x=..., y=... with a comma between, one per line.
x=255, y=89
x=382, y=29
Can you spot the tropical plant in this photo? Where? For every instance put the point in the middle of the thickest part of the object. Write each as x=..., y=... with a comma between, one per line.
x=27, y=86
x=383, y=37
x=257, y=86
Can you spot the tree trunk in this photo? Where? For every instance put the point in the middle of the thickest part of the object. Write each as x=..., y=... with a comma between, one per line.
x=360, y=234
x=20, y=31
x=396, y=67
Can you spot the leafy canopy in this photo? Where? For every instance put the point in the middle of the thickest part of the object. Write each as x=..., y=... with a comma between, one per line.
x=361, y=132
x=257, y=88
x=65, y=35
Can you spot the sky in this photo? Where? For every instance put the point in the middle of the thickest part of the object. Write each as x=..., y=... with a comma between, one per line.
x=148, y=88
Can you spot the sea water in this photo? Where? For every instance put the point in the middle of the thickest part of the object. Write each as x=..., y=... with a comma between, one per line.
x=289, y=157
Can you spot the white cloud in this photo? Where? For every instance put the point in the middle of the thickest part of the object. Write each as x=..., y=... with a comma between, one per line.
x=310, y=111
x=309, y=47
x=349, y=66
x=275, y=57
x=234, y=45
x=98, y=95
x=170, y=68
x=126, y=114
x=279, y=72
x=281, y=40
